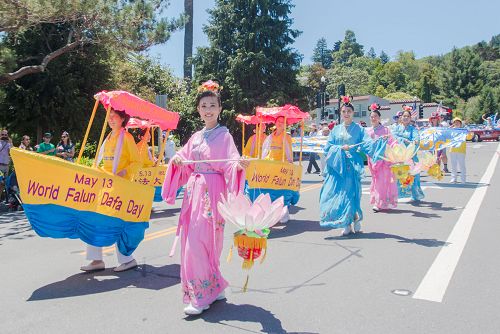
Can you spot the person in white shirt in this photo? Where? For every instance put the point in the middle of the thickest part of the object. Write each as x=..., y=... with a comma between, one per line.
x=169, y=149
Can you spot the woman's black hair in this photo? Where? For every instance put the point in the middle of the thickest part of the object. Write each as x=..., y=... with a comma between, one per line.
x=409, y=112
x=208, y=93
x=142, y=132
x=347, y=105
x=124, y=116
x=377, y=112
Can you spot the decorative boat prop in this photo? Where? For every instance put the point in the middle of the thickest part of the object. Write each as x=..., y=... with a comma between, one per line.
x=276, y=178
x=68, y=200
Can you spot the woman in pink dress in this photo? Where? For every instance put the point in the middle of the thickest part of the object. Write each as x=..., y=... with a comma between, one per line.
x=200, y=225
x=383, y=190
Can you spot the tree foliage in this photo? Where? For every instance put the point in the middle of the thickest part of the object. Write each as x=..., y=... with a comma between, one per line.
x=250, y=54
x=321, y=54
x=121, y=24
x=349, y=49
x=469, y=73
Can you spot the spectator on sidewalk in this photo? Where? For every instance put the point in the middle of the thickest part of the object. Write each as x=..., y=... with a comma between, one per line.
x=313, y=156
x=46, y=147
x=169, y=148
x=5, y=146
x=25, y=143
x=65, y=149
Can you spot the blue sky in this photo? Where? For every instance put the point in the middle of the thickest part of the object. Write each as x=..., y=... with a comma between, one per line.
x=428, y=27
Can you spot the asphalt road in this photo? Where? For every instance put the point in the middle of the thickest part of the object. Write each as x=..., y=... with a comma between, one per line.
x=427, y=267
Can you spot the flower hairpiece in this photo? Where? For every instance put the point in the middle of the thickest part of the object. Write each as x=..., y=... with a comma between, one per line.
x=374, y=106
x=209, y=85
x=346, y=99
x=406, y=108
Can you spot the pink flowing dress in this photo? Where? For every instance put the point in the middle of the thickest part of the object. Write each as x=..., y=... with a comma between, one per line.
x=383, y=190
x=201, y=226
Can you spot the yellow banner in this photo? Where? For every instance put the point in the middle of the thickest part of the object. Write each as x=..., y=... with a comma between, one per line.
x=151, y=176
x=50, y=180
x=269, y=174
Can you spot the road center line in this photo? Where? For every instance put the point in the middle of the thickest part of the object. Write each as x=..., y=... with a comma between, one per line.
x=433, y=286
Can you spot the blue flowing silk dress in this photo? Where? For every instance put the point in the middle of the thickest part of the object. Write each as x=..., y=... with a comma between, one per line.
x=340, y=196
x=406, y=135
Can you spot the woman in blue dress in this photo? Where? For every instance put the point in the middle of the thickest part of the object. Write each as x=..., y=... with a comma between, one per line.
x=405, y=133
x=340, y=197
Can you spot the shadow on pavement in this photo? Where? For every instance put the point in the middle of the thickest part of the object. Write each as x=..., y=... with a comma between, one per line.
x=164, y=213
x=295, y=227
x=294, y=209
x=222, y=311
x=143, y=277
x=414, y=213
x=432, y=205
x=14, y=225
x=380, y=235
x=468, y=185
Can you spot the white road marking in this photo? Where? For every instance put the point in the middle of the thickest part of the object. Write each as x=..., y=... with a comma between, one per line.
x=477, y=146
x=436, y=281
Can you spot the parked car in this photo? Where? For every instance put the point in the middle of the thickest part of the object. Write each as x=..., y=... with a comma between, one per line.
x=480, y=134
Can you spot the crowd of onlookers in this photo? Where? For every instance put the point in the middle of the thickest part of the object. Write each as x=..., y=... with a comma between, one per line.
x=64, y=149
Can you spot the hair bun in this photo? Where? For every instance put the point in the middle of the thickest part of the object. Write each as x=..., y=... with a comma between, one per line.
x=374, y=107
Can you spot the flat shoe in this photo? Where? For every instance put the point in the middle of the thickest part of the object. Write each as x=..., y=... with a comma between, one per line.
x=126, y=266
x=93, y=267
x=193, y=310
x=346, y=231
x=221, y=296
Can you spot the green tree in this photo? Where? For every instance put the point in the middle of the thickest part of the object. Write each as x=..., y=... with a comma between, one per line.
x=472, y=110
x=124, y=25
x=427, y=85
x=147, y=77
x=398, y=96
x=61, y=98
x=489, y=51
x=250, y=54
x=321, y=54
x=356, y=80
x=491, y=71
x=384, y=57
x=371, y=53
x=394, y=76
x=365, y=63
x=462, y=75
x=488, y=103
x=349, y=49
x=380, y=91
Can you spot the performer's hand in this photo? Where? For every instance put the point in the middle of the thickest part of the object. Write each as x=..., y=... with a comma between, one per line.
x=243, y=164
x=346, y=147
x=177, y=160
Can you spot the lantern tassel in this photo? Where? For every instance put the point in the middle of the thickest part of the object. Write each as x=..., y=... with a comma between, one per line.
x=245, y=286
x=263, y=256
x=230, y=255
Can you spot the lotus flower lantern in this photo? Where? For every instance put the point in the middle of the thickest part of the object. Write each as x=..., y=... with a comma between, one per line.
x=253, y=221
x=401, y=157
x=430, y=164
